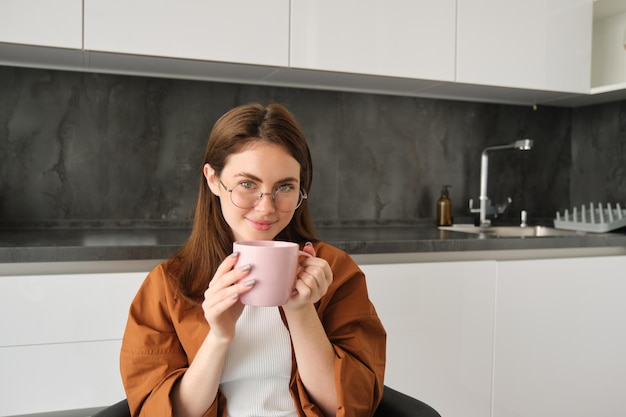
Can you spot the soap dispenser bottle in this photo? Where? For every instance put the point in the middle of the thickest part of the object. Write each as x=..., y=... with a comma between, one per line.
x=444, y=207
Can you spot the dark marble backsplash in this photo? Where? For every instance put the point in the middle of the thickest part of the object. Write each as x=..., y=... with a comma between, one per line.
x=598, y=171
x=91, y=147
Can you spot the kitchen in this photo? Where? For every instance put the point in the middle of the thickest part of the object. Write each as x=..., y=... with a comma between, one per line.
x=383, y=142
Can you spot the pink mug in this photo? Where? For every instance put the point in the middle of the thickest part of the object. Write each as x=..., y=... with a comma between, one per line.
x=274, y=266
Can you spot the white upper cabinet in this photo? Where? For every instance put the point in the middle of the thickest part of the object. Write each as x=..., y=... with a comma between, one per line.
x=57, y=23
x=506, y=51
x=533, y=44
x=404, y=38
x=609, y=44
x=241, y=31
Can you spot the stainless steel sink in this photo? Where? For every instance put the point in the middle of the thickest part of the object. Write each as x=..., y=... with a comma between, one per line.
x=513, y=231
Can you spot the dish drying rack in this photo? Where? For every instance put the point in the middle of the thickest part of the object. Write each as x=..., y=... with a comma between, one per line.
x=596, y=219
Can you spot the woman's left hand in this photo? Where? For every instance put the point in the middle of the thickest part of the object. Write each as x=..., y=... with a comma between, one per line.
x=312, y=281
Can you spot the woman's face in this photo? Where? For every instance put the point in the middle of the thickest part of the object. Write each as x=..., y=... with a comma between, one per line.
x=267, y=167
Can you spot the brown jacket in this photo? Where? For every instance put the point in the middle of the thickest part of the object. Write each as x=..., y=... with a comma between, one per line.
x=164, y=333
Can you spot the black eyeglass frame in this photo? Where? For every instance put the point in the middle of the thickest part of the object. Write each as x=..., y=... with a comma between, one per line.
x=303, y=196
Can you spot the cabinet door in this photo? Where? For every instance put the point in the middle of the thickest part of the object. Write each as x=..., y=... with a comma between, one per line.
x=60, y=337
x=57, y=23
x=561, y=338
x=406, y=38
x=241, y=31
x=62, y=376
x=68, y=308
x=439, y=322
x=533, y=44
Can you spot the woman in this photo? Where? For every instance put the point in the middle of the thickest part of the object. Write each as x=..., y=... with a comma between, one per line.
x=191, y=348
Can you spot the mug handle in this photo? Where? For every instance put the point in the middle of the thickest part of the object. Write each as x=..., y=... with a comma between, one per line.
x=301, y=253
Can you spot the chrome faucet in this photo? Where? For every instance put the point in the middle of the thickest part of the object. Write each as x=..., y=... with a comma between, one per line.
x=485, y=206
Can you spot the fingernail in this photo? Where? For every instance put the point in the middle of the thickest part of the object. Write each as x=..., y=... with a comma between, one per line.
x=308, y=244
x=246, y=267
x=234, y=254
x=234, y=296
x=250, y=283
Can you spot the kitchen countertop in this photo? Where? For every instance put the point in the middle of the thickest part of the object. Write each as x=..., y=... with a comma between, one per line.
x=75, y=244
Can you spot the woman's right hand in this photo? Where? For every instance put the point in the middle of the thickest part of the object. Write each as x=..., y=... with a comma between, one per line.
x=221, y=300
x=194, y=393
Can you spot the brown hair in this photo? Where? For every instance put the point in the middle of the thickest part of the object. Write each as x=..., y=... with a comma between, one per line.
x=193, y=265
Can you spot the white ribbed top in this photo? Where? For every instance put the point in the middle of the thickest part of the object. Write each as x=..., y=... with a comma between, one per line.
x=256, y=374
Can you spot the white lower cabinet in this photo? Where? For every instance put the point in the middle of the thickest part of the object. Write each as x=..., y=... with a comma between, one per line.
x=560, y=338
x=472, y=339
x=58, y=377
x=60, y=338
x=527, y=338
x=439, y=320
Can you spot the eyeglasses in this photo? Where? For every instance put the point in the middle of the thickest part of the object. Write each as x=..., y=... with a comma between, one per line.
x=247, y=194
